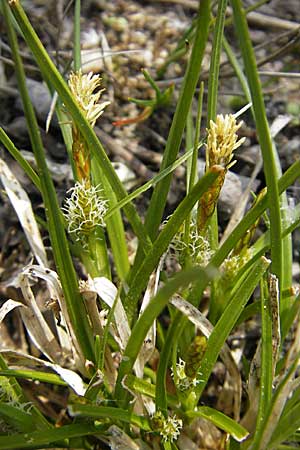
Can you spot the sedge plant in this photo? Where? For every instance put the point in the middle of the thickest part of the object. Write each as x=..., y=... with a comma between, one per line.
x=129, y=380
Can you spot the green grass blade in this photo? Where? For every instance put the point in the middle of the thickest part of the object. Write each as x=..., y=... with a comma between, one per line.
x=227, y=321
x=34, y=375
x=39, y=439
x=213, y=84
x=77, y=48
x=237, y=68
x=174, y=331
x=264, y=135
x=115, y=227
x=267, y=368
x=162, y=174
x=288, y=424
x=213, y=80
x=194, y=159
x=287, y=248
x=115, y=414
x=265, y=429
x=11, y=388
x=16, y=417
x=253, y=214
x=221, y=421
x=145, y=388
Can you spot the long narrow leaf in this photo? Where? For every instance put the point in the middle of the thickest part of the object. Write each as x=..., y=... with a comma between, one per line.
x=17, y=155
x=222, y=421
x=264, y=135
x=35, y=375
x=227, y=321
x=162, y=174
x=190, y=81
x=39, y=439
x=109, y=412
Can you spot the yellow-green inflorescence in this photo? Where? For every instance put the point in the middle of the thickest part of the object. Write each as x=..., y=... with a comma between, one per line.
x=169, y=428
x=222, y=140
x=84, y=210
x=197, y=247
x=83, y=87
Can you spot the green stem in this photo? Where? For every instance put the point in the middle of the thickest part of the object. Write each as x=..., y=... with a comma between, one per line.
x=264, y=135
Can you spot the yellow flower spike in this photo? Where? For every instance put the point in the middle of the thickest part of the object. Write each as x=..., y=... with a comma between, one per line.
x=82, y=87
x=222, y=140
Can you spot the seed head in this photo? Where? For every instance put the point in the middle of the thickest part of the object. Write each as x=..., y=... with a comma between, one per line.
x=198, y=247
x=82, y=87
x=222, y=140
x=84, y=209
x=168, y=428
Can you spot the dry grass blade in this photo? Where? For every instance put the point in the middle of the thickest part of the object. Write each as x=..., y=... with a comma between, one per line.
x=67, y=338
x=22, y=205
x=108, y=292
x=37, y=327
x=15, y=358
x=148, y=346
x=7, y=307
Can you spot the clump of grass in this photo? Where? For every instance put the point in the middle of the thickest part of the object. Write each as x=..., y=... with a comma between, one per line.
x=131, y=382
